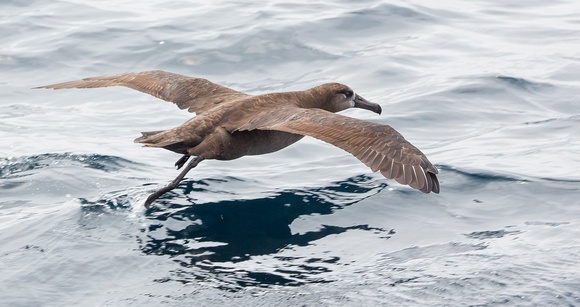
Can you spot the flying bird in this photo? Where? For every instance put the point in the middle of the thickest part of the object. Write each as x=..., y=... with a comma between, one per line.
x=231, y=124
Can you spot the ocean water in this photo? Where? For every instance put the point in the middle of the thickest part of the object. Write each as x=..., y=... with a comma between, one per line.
x=488, y=90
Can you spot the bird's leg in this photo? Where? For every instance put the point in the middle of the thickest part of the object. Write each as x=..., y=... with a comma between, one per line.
x=182, y=161
x=193, y=163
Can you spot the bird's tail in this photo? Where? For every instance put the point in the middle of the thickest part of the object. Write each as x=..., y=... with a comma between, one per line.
x=164, y=138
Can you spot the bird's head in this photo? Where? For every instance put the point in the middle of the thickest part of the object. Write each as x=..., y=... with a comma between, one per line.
x=335, y=97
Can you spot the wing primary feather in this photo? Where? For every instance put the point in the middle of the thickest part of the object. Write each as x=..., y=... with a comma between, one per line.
x=194, y=94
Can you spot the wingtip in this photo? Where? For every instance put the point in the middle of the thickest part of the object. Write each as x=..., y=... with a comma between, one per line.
x=48, y=87
x=431, y=184
x=436, y=187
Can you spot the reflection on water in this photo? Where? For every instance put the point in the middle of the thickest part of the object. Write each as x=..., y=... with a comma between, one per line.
x=201, y=236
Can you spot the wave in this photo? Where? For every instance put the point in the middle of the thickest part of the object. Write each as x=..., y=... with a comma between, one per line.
x=14, y=167
x=524, y=84
x=58, y=177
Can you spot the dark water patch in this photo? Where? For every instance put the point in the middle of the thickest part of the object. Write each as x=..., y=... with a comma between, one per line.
x=204, y=185
x=556, y=180
x=552, y=224
x=481, y=176
x=564, y=120
x=255, y=226
x=462, y=180
x=523, y=84
x=501, y=87
x=478, y=90
x=120, y=200
x=8, y=185
x=34, y=248
x=491, y=234
x=201, y=236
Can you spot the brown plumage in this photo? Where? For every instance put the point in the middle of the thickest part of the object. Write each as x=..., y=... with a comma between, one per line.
x=230, y=124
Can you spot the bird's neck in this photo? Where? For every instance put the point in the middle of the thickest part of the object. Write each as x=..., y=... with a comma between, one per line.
x=311, y=98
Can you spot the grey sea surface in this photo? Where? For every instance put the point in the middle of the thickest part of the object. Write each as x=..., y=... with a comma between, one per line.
x=488, y=90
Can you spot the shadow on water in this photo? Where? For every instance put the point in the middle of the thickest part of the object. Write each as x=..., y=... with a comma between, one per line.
x=250, y=227
x=201, y=236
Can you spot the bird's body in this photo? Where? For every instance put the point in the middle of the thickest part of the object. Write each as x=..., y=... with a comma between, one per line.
x=220, y=134
x=230, y=124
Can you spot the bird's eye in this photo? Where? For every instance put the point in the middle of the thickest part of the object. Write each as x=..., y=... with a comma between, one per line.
x=347, y=93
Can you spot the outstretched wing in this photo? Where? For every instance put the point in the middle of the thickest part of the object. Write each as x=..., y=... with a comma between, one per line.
x=194, y=94
x=379, y=147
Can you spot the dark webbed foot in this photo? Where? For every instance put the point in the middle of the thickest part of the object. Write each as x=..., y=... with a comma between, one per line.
x=193, y=163
x=182, y=161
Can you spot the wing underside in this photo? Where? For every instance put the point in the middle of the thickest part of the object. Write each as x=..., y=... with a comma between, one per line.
x=379, y=147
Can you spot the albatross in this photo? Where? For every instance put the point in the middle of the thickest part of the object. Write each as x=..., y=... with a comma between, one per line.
x=231, y=124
